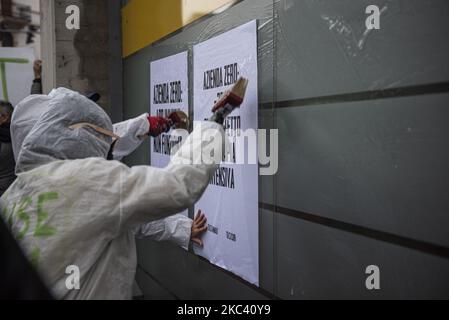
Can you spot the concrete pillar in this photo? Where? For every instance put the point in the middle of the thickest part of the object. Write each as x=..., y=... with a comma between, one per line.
x=89, y=59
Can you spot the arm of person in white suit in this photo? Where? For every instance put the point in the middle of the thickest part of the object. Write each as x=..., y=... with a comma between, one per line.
x=132, y=133
x=176, y=229
x=149, y=194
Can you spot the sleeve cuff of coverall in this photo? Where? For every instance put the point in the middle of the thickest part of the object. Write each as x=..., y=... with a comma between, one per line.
x=185, y=242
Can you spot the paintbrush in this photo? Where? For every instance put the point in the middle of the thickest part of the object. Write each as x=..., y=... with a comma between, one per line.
x=231, y=100
x=178, y=120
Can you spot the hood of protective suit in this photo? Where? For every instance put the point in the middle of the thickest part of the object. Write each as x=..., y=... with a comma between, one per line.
x=27, y=113
x=41, y=134
x=25, y=116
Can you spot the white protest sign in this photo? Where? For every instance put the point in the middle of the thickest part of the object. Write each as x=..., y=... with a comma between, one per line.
x=169, y=92
x=16, y=74
x=231, y=200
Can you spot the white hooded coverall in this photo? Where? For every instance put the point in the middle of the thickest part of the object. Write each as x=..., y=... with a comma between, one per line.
x=176, y=229
x=83, y=212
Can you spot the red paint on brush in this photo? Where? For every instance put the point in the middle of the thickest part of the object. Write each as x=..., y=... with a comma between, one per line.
x=229, y=98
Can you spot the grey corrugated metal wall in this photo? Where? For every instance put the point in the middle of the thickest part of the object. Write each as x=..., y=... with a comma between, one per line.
x=363, y=177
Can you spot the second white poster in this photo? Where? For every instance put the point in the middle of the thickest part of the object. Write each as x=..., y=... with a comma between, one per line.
x=231, y=200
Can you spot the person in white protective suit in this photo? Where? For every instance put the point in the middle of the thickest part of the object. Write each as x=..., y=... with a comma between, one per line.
x=71, y=207
x=178, y=229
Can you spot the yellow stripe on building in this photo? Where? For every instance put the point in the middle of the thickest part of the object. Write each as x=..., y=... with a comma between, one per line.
x=146, y=21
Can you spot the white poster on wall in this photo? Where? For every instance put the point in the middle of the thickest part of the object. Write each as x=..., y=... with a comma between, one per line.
x=169, y=92
x=16, y=73
x=231, y=199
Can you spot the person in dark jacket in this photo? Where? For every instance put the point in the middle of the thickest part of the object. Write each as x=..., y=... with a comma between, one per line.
x=36, y=88
x=7, y=163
